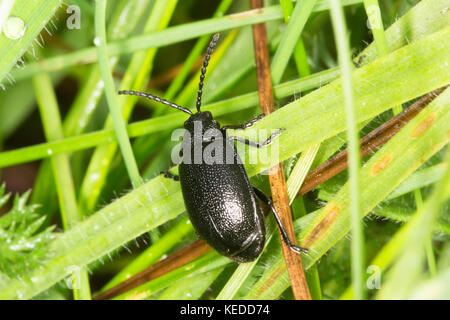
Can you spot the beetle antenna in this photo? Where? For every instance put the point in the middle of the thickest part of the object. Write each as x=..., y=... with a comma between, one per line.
x=211, y=46
x=155, y=98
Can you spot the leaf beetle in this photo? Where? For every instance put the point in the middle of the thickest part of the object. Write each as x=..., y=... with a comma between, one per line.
x=221, y=203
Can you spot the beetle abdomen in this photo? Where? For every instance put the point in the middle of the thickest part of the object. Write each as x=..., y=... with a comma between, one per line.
x=223, y=209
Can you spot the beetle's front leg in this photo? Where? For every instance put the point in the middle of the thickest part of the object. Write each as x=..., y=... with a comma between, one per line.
x=258, y=144
x=261, y=195
x=245, y=125
x=169, y=175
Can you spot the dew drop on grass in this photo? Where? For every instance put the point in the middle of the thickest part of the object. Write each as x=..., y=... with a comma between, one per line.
x=14, y=28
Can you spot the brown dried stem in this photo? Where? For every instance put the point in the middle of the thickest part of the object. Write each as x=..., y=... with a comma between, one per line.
x=276, y=175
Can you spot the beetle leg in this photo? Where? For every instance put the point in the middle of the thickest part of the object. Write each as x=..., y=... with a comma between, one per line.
x=169, y=175
x=259, y=144
x=286, y=239
x=245, y=125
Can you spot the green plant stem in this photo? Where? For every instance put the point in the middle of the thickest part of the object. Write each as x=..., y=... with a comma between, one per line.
x=51, y=120
x=376, y=26
x=290, y=37
x=357, y=247
x=111, y=96
x=429, y=242
x=300, y=56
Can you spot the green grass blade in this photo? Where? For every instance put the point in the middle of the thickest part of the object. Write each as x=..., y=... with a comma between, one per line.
x=376, y=26
x=35, y=15
x=418, y=180
x=51, y=120
x=111, y=95
x=357, y=247
x=191, y=288
x=408, y=268
x=288, y=41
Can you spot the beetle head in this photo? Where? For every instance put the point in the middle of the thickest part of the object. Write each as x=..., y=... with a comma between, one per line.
x=204, y=118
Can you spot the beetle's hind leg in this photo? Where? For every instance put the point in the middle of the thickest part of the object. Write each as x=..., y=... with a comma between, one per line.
x=286, y=239
x=244, y=125
x=259, y=144
x=169, y=175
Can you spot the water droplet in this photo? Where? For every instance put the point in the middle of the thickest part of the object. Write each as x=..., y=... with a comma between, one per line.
x=97, y=41
x=14, y=28
x=49, y=151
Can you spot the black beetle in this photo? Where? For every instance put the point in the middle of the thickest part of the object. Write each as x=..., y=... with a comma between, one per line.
x=220, y=201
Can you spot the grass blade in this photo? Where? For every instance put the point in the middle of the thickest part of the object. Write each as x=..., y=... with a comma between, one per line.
x=357, y=257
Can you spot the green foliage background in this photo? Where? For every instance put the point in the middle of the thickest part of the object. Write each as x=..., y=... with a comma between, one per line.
x=98, y=210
